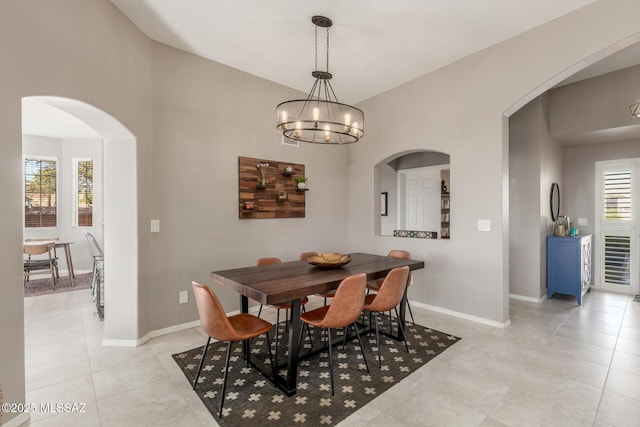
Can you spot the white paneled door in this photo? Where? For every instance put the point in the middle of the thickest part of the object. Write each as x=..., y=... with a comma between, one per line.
x=422, y=195
x=618, y=195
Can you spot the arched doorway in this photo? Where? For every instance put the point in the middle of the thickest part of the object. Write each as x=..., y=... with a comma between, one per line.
x=120, y=215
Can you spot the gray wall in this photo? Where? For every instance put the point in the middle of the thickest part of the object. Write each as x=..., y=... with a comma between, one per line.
x=535, y=162
x=461, y=110
x=73, y=48
x=205, y=116
x=596, y=109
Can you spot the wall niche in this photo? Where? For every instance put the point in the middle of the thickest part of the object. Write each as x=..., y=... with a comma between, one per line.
x=269, y=189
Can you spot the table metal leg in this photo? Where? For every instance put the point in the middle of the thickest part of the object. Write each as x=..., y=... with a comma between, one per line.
x=403, y=312
x=244, y=308
x=292, y=360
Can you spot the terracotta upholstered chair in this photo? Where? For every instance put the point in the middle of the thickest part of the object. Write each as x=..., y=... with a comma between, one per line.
x=388, y=297
x=217, y=325
x=285, y=306
x=47, y=261
x=344, y=310
x=374, y=285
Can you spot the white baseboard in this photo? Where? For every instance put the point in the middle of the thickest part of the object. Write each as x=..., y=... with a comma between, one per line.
x=501, y=325
x=528, y=299
x=163, y=331
x=21, y=419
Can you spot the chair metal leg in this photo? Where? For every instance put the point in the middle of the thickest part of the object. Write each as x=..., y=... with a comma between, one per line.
x=330, y=362
x=375, y=315
x=401, y=329
x=309, y=333
x=224, y=382
x=260, y=310
x=277, y=332
x=410, y=312
x=204, y=353
x=273, y=366
x=361, y=347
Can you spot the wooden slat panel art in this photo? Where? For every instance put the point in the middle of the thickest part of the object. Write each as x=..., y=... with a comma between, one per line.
x=279, y=197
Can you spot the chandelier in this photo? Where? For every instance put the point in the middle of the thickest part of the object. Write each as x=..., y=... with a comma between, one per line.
x=635, y=110
x=320, y=118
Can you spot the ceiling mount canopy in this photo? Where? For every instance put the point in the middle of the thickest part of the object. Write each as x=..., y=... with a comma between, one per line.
x=320, y=118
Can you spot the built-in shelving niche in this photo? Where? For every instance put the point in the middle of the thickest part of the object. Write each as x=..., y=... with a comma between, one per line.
x=279, y=197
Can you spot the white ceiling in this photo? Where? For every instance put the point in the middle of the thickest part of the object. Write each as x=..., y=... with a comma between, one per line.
x=39, y=118
x=376, y=45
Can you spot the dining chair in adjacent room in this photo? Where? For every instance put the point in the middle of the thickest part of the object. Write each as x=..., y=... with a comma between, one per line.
x=343, y=312
x=50, y=262
x=374, y=285
x=98, y=257
x=219, y=326
x=388, y=297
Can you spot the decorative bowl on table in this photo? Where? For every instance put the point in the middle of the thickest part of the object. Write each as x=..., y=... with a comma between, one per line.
x=332, y=260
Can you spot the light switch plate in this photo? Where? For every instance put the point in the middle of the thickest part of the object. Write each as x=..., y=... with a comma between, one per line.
x=484, y=225
x=155, y=225
x=583, y=222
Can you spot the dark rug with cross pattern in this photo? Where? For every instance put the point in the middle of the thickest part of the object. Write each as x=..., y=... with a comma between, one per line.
x=252, y=400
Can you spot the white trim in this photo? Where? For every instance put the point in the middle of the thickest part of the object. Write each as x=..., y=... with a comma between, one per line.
x=163, y=331
x=602, y=227
x=17, y=421
x=528, y=299
x=500, y=325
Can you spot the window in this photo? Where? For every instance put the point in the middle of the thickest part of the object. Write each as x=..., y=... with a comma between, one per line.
x=617, y=194
x=83, y=192
x=40, y=197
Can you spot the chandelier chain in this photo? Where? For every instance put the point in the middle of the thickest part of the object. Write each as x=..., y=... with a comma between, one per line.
x=327, y=49
x=316, y=48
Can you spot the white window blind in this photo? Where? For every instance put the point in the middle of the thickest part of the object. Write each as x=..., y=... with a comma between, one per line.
x=617, y=251
x=83, y=193
x=40, y=196
x=617, y=195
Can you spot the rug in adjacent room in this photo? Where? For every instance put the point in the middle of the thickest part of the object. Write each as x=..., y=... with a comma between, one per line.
x=36, y=287
x=253, y=400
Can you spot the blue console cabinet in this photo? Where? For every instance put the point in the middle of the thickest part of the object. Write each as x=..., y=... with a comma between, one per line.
x=568, y=266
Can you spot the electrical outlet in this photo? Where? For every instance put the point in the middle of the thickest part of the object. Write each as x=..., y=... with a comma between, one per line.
x=155, y=225
x=583, y=222
x=184, y=297
x=484, y=225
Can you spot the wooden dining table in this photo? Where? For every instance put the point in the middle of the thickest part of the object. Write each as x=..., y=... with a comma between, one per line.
x=289, y=282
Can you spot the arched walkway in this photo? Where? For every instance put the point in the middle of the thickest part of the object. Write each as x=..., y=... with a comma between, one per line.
x=120, y=217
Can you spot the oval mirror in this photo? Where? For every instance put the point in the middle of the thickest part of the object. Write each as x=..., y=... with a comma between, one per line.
x=554, y=201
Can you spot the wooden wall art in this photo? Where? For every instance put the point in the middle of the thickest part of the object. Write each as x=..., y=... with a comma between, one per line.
x=269, y=189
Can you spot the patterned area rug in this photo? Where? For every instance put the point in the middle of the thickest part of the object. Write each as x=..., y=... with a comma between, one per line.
x=253, y=400
x=45, y=286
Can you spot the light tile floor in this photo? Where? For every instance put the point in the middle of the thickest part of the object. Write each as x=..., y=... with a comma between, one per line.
x=558, y=364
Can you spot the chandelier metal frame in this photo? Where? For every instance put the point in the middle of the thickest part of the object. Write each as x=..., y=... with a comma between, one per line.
x=320, y=118
x=635, y=109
